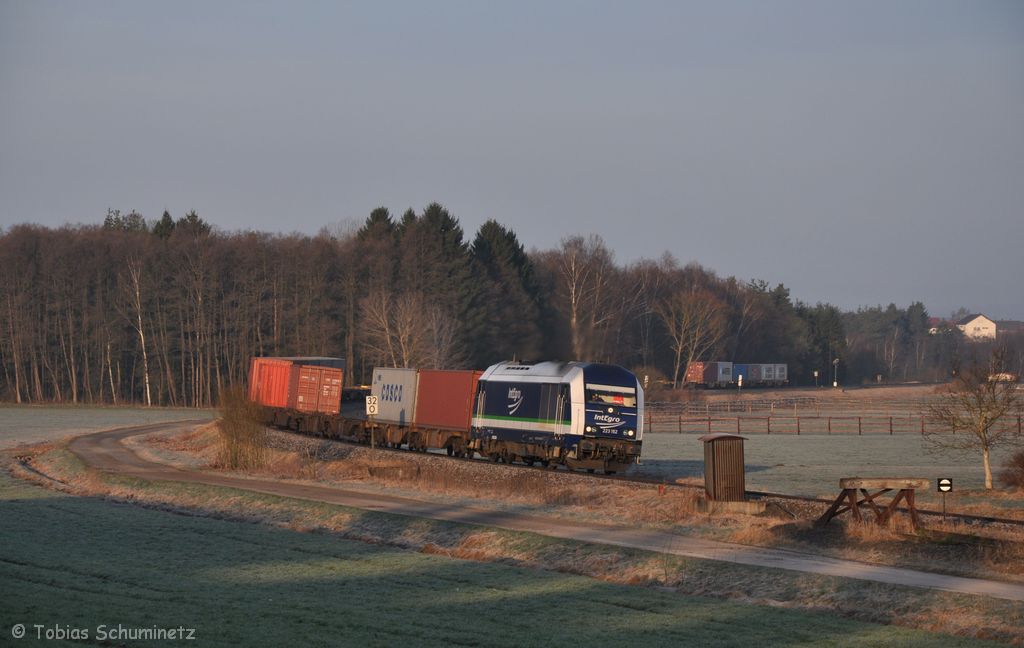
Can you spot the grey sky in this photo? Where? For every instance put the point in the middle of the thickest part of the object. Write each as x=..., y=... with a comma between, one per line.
x=859, y=152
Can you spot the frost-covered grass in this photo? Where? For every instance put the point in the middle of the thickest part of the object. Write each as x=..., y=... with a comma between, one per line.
x=84, y=561
x=812, y=465
x=34, y=423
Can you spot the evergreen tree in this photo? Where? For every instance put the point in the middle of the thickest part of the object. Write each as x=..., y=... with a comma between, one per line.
x=192, y=225
x=378, y=226
x=165, y=226
x=510, y=306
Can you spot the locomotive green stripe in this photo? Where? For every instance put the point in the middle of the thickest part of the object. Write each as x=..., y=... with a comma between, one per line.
x=525, y=419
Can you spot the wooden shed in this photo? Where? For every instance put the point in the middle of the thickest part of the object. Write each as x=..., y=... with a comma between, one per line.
x=724, y=472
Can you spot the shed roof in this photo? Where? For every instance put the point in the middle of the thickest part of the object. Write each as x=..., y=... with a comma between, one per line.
x=707, y=438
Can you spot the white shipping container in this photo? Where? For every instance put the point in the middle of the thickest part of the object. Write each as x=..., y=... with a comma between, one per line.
x=780, y=373
x=395, y=390
x=767, y=372
x=725, y=372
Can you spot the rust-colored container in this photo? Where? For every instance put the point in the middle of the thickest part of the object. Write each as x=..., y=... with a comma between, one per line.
x=303, y=384
x=695, y=373
x=315, y=389
x=724, y=470
x=444, y=399
x=269, y=381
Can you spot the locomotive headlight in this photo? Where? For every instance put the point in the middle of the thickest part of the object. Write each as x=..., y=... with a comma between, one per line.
x=588, y=429
x=630, y=433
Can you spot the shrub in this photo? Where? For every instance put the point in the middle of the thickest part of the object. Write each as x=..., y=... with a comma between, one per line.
x=243, y=437
x=1012, y=475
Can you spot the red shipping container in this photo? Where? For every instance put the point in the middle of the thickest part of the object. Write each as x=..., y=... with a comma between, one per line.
x=695, y=373
x=269, y=381
x=444, y=399
x=315, y=389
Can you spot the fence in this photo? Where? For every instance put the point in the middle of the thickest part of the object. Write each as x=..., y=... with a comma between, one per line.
x=680, y=424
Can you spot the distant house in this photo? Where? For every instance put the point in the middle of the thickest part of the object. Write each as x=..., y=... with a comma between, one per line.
x=977, y=327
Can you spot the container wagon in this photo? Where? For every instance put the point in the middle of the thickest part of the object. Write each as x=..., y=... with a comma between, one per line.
x=294, y=384
x=424, y=409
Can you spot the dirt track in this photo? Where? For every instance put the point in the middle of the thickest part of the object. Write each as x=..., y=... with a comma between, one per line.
x=105, y=451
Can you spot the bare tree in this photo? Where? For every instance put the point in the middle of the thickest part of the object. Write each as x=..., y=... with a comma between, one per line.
x=442, y=328
x=695, y=323
x=972, y=413
x=133, y=292
x=585, y=271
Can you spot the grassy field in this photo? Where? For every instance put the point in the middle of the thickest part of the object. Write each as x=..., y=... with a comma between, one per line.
x=34, y=423
x=78, y=562
x=812, y=465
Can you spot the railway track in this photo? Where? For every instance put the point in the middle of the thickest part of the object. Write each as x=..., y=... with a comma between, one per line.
x=964, y=518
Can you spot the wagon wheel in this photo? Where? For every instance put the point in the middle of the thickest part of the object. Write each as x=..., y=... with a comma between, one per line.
x=450, y=450
x=529, y=462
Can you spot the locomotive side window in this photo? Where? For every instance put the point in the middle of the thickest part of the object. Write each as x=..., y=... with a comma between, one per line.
x=564, y=403
x=549, y=402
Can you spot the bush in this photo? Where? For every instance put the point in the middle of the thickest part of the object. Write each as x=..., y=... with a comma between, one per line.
x=243, y=436
x=1012, y=475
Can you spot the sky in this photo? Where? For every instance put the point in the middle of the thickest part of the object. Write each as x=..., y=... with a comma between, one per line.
x=861, y=153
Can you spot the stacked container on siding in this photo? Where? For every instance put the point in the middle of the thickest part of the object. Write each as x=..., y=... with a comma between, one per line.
x=711, y=374
x=310, y=385
x=722, y=374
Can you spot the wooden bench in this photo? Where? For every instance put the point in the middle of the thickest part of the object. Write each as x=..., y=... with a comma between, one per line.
x=855, y=495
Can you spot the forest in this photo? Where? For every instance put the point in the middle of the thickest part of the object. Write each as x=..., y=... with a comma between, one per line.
x=170, y=311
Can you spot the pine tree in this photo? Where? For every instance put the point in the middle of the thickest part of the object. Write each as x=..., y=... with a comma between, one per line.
x=165, y=226
x=510, y=309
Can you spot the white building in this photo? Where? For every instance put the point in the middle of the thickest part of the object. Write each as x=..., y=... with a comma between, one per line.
x=977, y=327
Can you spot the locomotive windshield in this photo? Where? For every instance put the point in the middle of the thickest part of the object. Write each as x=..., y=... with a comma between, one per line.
x=621, y=396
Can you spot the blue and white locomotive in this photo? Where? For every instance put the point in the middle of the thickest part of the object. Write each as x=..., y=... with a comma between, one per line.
x=582, y=415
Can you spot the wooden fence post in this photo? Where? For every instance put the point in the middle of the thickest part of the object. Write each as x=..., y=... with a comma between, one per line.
x=709, y=425
x=922, y=426
x=798, y=426
x=737, y=425
x=830, y=425
x=890, y=426
x=680, y=428
x=769, y=424
x=859, y=428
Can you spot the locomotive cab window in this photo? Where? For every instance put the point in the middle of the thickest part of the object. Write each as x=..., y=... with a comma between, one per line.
x=611, y=396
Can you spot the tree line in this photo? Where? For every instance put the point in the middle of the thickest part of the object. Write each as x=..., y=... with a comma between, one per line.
x=170, y=312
